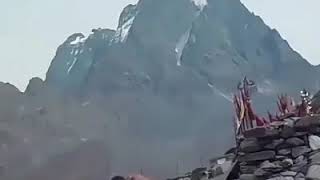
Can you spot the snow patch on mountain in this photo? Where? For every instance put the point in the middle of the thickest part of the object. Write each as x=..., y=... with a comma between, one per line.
x=200, y=3
x=123, y=31
x=181, y=44
x=266, y=88
x=71, y=66
x=78, y=40
x=86, y=103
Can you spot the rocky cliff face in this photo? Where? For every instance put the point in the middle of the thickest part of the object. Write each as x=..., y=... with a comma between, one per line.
x=160, y=85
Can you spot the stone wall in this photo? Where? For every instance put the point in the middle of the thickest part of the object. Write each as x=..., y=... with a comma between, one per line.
x=287, y=150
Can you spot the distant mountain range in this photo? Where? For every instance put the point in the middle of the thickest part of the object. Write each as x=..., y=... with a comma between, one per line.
x=155, y=92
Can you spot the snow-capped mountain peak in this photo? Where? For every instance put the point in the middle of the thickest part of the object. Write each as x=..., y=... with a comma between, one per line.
x=200, y=3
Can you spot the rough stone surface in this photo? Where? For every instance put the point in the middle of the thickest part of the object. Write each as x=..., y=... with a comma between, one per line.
x=313, y=172
x=294, y=142
x=314, y=142
x=299, y=164
x=280, y=157
x=300, y=176
x=255, y=133
x=289, y=173
x=262, y=173
x=307, y=122
x=281, y=178
x=271, y=167
x=284, y=152
x=250, y=145
x=299, y=134
x=246, y=169
x=297, y=151
x=315, y=158
x=289, y=122
x=287, y=131
x=286, y=163
x=258, y=156
x=267, y=168
x=248, y=177
x=275, y=143
x=314, y=130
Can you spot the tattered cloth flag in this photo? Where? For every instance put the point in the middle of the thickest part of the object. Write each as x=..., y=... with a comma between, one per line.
x=245, y=117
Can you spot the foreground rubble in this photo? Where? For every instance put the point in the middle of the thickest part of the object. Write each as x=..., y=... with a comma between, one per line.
x=281, y=155
x=287, y=151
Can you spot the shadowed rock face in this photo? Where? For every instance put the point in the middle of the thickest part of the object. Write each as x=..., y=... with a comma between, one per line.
x=159, y=86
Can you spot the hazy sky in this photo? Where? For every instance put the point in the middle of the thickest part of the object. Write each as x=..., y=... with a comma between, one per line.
x=31, y=30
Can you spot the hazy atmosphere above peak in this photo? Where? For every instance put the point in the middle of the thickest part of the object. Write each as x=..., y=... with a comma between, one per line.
x=33, y=29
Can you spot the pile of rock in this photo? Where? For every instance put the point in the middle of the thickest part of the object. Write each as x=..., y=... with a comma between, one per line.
x=287, y=150
x=219, y=168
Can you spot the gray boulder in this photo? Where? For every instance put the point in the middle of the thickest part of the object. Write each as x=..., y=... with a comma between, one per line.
x=284, y=152
x=314, y=172
x=289, y=173
x=286, y=163
x=258, y=156
x=315, y=158
x=294, y=142
x=299, y=164
x=314, y=142
x=248, y=177
x=301, y=150
x=281, y=178
x=307, y=122
x=275, y=143
x=250, y=145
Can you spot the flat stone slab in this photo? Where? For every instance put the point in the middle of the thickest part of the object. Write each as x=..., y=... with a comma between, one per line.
x=284, y=152
x=274, y=144
x=313, y=172
x=306, y=122
x=258, y=156
x=250, y=145
x=281, y=178
x=260, y=132
x=294, y=142
x=300, y=164
x=300, y=150
x=288, y=131
x=289, y=173
x=271, y=167
x=247, y=169
x=315, y=158
x=286, y=163
x=248, y=177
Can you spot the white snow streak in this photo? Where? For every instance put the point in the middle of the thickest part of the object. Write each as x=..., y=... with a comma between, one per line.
x=71, y=66
x=78, y=40
x=228, y=98
x=180, y=45
x=200, y=3
x=76, y=52
x=122, y=32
